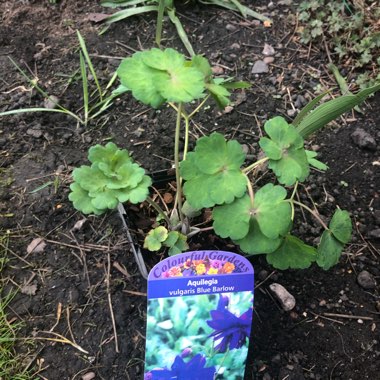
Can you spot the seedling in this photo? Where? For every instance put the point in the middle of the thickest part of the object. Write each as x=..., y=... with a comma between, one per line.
x=215, y=175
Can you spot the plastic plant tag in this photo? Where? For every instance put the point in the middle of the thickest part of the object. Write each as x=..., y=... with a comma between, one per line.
x=200, y=307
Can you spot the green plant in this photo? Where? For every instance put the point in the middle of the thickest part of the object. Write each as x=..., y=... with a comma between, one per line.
x=350, y=30
x=258, y=219
x=167, y=7
x=113, y=177
x=94, y=103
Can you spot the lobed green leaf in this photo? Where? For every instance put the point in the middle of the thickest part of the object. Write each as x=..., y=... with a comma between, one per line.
x=212, y=172
x=287, y=157
x=293, y=253
x=329, y=250
x=341, y=226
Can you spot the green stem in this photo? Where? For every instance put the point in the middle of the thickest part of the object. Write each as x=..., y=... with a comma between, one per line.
x=250, y=191
x=291, y=199
x=176, y=162
x=312, y=212
x=161, y=212
x=186, y=146
x=160, y=20
x=255, y=165
x=199, y=107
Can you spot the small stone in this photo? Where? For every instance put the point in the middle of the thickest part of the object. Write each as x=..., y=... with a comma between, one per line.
x=235, y=46
x=268, y=50
x=291, y=112
x=259, y=67
x=51, y=102
x=374, y=234
x=263, y=274
x=363, y=139
x=231, y=28
x=88, y=376
x=36, y=133
x=287, y=301
x=360, y=321
x=217, y=70
x=366, y=280
x=268, y=60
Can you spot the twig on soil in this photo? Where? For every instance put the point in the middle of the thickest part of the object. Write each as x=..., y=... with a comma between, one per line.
x=348, y=316
x=121, y=269
x=135, y=293
x=59, y=313
x=328, y=319
x=125, y=46
x=370, y=247
x=107, y=281
x=265, y=280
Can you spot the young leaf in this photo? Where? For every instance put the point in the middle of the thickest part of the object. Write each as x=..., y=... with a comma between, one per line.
x=232, y=220
x=340, y=226
x=82, y=201
x=314, y=162
x=212, y=172
x=255, y=242
x=140, y=79
x=157, y=76
x=287, y=157
x=109, y=154
x=293, y=253
x=272, y=213
x=176, y=242
x=329, y=250
x=153, y=241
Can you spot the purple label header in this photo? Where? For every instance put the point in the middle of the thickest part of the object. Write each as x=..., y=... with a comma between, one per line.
x=201, y=263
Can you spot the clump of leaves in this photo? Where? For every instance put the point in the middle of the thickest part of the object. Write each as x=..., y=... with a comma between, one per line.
x=351, y=31
x=159, y=76
x=160, y=237
x=113, y=177
x=260, y=221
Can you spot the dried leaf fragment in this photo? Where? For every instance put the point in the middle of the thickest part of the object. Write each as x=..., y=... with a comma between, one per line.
x=37, y=246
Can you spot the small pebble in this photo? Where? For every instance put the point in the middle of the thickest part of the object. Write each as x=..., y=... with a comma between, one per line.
x=259, y=67
x=287, y=301
x=366, y=280
x=268, y=60
x=363, y=139
x=88, y=376
x=268, y=50
x=374, y=234
x=217, y=70
x=51, y=102
x=231, y=28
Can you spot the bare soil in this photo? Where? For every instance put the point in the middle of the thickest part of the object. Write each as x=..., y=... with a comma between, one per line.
x=68, y=287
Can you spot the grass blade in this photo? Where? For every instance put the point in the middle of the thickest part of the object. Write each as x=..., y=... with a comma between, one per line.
x=308, y=108
x=25, y=110
x=332, y=109
x=229, y=5
x=181, y=32
x=83, y=73
x=116, y=4
x=121, y=15
x=89, y=63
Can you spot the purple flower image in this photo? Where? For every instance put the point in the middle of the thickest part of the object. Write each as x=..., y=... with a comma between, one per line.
x=231, y=331
x=192, y=370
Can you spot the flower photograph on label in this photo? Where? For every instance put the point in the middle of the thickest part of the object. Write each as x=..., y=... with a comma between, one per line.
x=201, y=337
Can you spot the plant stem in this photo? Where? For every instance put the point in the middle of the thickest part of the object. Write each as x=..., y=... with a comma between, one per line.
x=250, y=191
x=199, y=107
x=176, y=162
x=291, y=199
x=160, y=19
x=312, y=212
x=157, y=207
x=254, y=165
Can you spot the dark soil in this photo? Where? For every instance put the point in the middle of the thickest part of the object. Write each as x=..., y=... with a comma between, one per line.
x=64, y=288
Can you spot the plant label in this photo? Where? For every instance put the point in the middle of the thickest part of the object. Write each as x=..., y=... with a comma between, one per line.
x=199, y=317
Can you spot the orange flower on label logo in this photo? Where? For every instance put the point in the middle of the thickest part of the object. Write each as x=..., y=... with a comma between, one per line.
x=200, y=269
x=175, y=272
x=228, y=267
